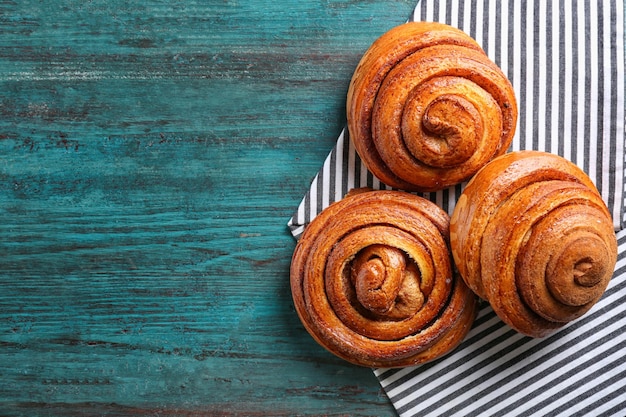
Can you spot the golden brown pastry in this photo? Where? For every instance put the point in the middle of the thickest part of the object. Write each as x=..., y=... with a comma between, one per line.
x=531, y=235
x=426, y=107
x=372, y=281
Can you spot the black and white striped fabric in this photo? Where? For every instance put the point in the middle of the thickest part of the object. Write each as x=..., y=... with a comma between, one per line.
x=566, y=62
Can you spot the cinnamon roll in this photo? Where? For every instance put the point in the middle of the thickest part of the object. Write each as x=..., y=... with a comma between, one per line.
x=373, y=282
x=426, y=107
x=532, y=235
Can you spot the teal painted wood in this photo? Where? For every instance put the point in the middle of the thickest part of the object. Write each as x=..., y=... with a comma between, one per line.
x=152, y=153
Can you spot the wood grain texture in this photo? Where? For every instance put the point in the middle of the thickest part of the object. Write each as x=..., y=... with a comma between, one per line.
x=152, y=153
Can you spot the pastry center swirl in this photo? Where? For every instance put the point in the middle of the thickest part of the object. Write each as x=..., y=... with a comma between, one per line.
x=582, y=274
x=445, y=121
x=387, y=282
x=449, y=125
x=577, y=268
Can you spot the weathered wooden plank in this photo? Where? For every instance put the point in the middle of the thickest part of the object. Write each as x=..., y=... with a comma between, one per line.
x=152, y=153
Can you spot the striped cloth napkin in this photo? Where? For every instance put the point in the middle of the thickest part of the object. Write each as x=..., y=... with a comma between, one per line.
x=566, y=62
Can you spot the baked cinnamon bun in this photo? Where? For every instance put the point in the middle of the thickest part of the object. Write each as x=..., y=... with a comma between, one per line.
x=426, y=107
x=532, y=235
x=373, y=282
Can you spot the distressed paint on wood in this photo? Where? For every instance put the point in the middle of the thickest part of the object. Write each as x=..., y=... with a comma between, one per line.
x=152, y=153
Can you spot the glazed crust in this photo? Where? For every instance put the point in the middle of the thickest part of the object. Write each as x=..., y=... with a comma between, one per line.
x=532, y=235
x=426, y=107
x=372, y=281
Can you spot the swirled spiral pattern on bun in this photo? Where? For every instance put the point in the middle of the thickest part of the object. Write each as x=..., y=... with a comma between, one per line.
x=373, y=282
x=532, y=235
x=427, y=108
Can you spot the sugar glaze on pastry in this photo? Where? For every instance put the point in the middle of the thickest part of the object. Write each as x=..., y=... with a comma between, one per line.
x=426, y=107
x=532, y=235
x=373, y=282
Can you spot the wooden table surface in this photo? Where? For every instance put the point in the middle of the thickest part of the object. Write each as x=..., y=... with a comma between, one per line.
x=152, y=154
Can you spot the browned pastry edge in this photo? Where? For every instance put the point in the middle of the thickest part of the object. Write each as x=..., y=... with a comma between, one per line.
x=531, y=235
x=313, y=289
x=439, y=48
